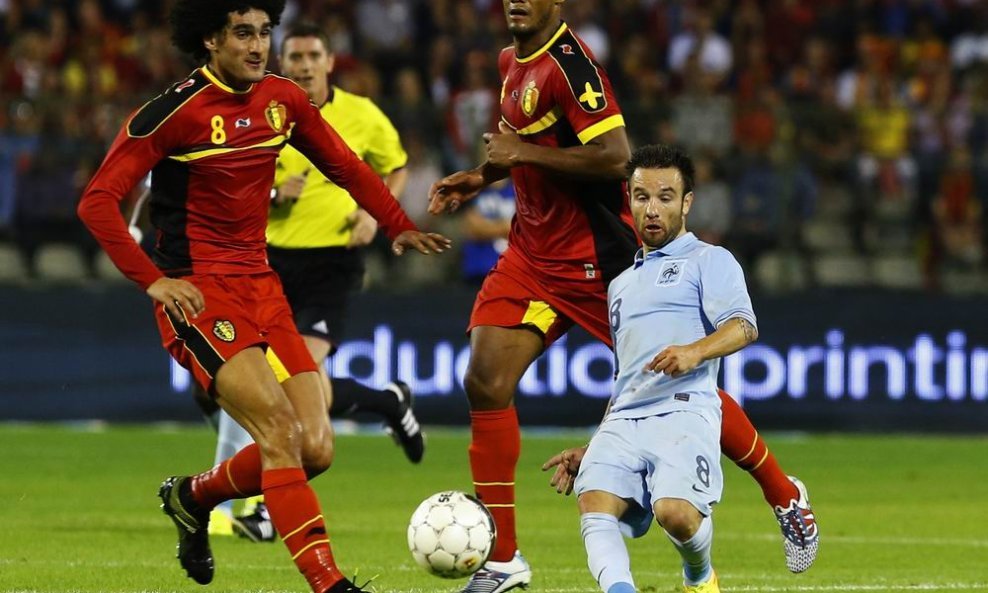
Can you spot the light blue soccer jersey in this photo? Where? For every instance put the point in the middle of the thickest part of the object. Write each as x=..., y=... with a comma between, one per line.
x=672, y=297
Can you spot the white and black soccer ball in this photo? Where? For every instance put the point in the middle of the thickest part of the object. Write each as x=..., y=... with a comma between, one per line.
x=451, y=534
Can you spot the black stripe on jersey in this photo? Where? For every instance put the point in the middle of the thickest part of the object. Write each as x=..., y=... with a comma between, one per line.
x=580, y=71
x=169, y=215
x=615, y=242
x=204, y=353
x=156, y=111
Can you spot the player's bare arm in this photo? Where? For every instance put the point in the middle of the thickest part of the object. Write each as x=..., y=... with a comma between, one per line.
x=603, y=157
x=449, y=193
x=426, y=243
x=733, y=335
x=567, y=464
x=177, y=296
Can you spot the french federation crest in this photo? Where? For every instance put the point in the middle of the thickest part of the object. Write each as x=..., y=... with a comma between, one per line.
x=276, y=115
x=224, y=330
x=671, y=272
x=529, y=99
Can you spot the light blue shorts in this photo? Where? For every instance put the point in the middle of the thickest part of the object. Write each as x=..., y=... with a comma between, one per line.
x=675, y=455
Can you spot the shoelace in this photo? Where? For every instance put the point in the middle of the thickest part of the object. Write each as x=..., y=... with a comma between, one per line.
x=794, y=527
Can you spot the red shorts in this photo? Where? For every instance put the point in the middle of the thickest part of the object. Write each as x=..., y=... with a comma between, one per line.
x=241, y=311
x=514, y=294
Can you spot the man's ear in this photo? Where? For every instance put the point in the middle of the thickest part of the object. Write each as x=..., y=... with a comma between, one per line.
x=330, y=63
x=211, y=42
x=687, y=203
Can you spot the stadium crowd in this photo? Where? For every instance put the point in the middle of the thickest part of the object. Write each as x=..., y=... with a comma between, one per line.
x=838, y=143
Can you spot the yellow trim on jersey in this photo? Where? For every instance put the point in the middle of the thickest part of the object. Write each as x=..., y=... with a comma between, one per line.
x=550, y=118
x=605, y=125
x=562, y=29
x=541, y=315
x=212, y=78
x=278, y=140
x=280, y=371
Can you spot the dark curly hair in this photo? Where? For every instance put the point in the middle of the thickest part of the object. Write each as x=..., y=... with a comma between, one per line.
x=660, y=156
x=194, y=20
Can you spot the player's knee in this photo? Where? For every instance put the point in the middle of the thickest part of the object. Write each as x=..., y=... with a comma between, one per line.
x=678, y=517
x=317, y=452
x=487, y=392
x=280, y=436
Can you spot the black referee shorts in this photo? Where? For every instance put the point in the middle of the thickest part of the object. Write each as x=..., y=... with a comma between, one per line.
x=318, y=283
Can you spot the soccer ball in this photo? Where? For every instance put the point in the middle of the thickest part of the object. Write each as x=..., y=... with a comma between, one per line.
x=451, y=534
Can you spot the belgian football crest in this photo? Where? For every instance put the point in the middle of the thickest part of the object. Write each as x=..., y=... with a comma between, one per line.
x=276, y=114
x=224, y=330
x=530, y=99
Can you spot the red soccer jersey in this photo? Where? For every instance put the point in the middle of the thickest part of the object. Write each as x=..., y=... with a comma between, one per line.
x=569, y=228
x=211, y=151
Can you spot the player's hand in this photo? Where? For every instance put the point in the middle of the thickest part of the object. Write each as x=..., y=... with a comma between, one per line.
x=362, y=226
x=289, y=191
x=567, y=465
x=177, y=296
x=449, y=193
x=426, y=243
x=504, y=149
x=674, y=361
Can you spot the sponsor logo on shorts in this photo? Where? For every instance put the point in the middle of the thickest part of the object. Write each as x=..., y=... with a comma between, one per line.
x=224, y=330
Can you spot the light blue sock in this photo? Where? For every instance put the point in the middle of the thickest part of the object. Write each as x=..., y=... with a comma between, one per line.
x=231, y=437
x=696, y=553
x=607, y=556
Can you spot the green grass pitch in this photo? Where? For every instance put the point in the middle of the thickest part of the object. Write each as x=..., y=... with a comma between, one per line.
x=78, y=513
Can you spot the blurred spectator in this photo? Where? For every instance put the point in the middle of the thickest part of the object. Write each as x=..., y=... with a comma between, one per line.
x=584, y=18
x=885, y=165
x=970, y=48
x=409, y=107
x=710, y=215
x=774, y=194
x=473, y=111
x=423, y=171
x=49, y=186
x=712, y=52
x=957, y=213
x=19, y=141
x=701, y=118
x=486, y=224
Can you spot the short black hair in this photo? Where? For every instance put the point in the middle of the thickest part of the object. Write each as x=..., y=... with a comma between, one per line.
x=662, y=156
x=194, y=20
x=306, y=29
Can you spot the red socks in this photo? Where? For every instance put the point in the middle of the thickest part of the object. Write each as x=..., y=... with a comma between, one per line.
x=741, y=443
x=494, y=452
x=296, y=515
x=237, y=477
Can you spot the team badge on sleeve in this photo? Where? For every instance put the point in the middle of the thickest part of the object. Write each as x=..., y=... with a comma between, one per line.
x=224, y=330
x=530, y=99
x=276, y=115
